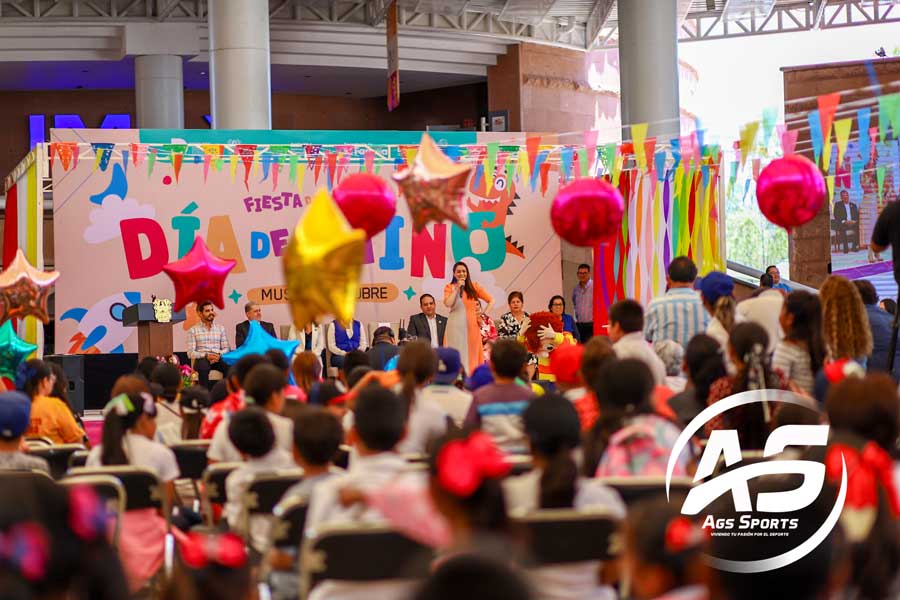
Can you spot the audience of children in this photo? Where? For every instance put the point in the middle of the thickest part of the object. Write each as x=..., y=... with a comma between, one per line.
x=262, y=387
x=606, y=421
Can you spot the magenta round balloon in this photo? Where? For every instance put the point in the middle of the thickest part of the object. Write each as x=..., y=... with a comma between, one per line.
x=587, y=212
x=367, y=201
x=790, y=191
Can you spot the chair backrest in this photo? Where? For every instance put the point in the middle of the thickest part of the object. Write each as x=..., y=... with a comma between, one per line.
x=266, y=490
x=191, y=457
x=520, y=465
x=287, y=528
x=78, y=458
x=361, y=553
x=38, y=442
x=569, y=536
x=635, y=489
x=108, y=488
x=214, y=491
x=22, y=474
x=214, y=481
x=142, y=487
x=57, y=456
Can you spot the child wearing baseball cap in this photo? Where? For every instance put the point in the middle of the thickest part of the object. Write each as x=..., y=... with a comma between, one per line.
x=15, y=416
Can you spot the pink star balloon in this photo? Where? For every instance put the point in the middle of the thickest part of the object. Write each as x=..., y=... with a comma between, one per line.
x=199, y=276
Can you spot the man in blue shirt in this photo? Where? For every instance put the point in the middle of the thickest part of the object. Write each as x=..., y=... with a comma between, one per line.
x=679, y=314
x=776, y=279
x=880, y=323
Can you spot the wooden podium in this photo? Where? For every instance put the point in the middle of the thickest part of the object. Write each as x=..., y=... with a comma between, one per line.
x=154, y=338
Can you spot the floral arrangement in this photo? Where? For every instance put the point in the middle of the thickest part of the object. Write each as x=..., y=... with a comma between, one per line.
x=188, y=376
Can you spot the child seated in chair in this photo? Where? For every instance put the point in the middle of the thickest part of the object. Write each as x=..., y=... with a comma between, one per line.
x=317, y=436
x=263, y=387
x=15, y=415
x=379, y=423
x=129, y=426
x=252, y=434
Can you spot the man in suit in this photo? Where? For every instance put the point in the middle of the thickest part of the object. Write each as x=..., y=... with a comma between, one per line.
x=428, y=325
x=846, y=222
x=254, y=313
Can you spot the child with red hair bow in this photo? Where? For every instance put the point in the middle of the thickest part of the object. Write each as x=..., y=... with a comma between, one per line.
x=542, y=333
x=463, y=507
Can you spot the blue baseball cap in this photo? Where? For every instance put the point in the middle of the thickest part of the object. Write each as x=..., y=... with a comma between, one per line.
x=15, y=414
x=480, y=376
x=449, y=364
x=714, y=285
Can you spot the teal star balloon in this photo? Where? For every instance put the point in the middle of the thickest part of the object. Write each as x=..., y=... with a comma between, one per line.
x=257, y=342
x=13, y=350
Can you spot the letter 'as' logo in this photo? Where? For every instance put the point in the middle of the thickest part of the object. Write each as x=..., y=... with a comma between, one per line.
x=724, y=442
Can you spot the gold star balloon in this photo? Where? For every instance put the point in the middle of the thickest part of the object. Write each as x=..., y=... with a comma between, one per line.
x=434, y=186
x=24, y=290
x=322, y=264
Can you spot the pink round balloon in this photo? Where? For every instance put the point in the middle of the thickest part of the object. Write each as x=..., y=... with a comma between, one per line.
x=790, y=191
x=587, y=212
x=367, y=201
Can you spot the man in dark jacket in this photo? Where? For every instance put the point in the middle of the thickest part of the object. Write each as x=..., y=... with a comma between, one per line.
x=254, y=313
x=428, y=325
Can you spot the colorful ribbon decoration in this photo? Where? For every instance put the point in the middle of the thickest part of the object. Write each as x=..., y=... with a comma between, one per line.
x=464, y=464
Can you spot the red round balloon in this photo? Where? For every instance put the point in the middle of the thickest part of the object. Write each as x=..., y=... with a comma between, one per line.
x=587, y=212
x=790, y=191
x=367, y=201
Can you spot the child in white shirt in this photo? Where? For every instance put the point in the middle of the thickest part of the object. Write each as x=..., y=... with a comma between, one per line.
x=252, y=434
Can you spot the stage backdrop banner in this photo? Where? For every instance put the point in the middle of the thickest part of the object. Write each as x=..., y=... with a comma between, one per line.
x=126, y=202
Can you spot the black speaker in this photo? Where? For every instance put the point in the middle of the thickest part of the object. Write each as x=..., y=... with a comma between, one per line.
x=91, y=376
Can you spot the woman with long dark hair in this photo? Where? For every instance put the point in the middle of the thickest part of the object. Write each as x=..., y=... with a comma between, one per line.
x=463, y=325
x=801, y=353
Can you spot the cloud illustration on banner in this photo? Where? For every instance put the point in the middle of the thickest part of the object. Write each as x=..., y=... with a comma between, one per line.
x=105, y=220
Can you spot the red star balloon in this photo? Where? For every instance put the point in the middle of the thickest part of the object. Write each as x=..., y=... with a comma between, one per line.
x=434, y=186
x=199, y=276
x=24, y=290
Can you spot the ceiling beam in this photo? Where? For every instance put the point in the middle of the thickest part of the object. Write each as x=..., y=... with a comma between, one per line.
x=597, y=19
x=819, y=14
x=376, y=11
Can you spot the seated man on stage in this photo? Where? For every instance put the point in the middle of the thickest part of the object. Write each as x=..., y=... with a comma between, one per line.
x=846, y=222
x=254, y=313
x=341, y=341
x=207, y=342
x=428, y=325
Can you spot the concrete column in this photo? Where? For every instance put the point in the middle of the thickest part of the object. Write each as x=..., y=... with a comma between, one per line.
x=159, y=86
x=239, y=63
x=648, y=66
